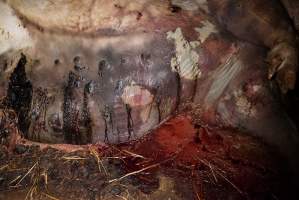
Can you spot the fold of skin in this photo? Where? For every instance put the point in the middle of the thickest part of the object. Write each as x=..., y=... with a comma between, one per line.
x=111, y=71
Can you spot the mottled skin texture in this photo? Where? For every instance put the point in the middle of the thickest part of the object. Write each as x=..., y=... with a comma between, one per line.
x=110, y=71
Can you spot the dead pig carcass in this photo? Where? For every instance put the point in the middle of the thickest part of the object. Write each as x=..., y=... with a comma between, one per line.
x=111, y=72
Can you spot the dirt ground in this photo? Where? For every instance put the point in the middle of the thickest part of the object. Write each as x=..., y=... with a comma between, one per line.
x=176, y=161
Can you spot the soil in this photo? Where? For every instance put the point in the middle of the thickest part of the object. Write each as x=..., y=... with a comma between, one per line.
x=176, y=161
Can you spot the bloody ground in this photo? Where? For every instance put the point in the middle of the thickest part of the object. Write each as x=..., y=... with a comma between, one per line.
x=175, y=161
